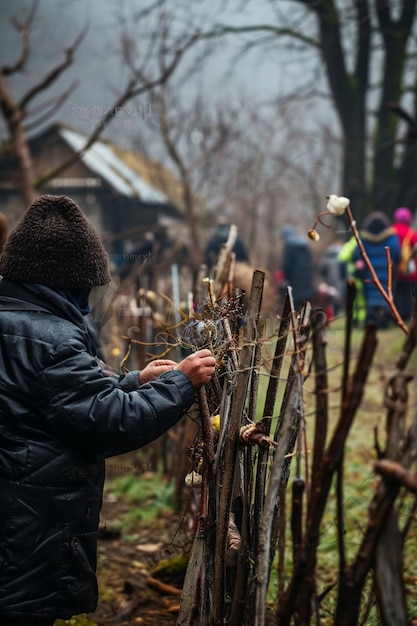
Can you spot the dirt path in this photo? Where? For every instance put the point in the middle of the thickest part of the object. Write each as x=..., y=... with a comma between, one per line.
x=126, y=596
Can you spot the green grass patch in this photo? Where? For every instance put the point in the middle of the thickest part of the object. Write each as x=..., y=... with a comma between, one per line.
x=147, y=495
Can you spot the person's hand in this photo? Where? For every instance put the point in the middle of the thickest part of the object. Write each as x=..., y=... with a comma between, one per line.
x=199, y=367
x=155, y=369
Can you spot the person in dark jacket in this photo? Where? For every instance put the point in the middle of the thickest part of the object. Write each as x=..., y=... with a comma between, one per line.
x=297, y=265
x=62, y=415
x=376, y=235
x=217, y=241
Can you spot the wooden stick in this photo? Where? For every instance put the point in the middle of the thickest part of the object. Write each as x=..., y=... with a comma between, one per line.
x=163, y=588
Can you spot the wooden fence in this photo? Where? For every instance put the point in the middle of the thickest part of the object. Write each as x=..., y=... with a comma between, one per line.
x=263, y=495
x=244, y=460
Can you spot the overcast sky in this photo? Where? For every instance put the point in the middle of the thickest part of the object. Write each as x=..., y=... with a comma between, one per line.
x=259, y=76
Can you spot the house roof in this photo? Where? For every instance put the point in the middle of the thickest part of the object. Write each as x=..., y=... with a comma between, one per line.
x=136, y=174
x=103, y=159
x=129, y=173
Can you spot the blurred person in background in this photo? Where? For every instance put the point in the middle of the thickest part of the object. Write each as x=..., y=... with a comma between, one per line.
x=377, y=234
x=345, y=258
x=216, y=242
x=297, y=265
x=405, y=291
x=333, y=273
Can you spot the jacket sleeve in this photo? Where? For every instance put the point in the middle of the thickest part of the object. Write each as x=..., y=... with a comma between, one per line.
x=129, y=382
x=106, y=415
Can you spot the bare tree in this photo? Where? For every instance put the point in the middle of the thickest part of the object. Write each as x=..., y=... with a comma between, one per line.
x=366, y=51
x=196, y=141
x=15, y=111
x=146, y=70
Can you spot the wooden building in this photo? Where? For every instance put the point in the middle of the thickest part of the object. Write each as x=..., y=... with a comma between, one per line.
x=123, y=193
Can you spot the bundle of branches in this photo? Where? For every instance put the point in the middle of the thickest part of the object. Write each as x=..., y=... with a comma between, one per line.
x=239, y=514
x=243, y=469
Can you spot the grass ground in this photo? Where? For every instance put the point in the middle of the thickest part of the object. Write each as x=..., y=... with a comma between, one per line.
x=360, y=455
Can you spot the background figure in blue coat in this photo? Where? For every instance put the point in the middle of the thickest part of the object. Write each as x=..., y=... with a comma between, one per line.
x=63, y=412
x=297, y=265
x=377, y=234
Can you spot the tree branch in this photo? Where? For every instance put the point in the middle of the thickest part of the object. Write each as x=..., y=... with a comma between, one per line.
x=23, y=28
x=221, y=31
x=52, y=105
x=131, y=91
x=54, y=73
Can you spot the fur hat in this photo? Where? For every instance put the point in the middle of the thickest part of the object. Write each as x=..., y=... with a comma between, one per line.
x=54, y=244
x=403, y=215
x=375, y=223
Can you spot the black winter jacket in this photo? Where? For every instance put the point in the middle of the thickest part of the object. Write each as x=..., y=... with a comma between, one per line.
x=60, y=417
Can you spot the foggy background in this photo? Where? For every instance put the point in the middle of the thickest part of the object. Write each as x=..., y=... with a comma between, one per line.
x=228, y=76
x=262, y=95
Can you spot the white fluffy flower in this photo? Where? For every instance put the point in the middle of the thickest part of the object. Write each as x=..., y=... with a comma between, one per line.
x=337, y=205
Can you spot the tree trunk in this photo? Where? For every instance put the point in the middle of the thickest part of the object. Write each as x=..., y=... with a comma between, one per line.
x=395, y=35
x=14, y=118
x=349, y=92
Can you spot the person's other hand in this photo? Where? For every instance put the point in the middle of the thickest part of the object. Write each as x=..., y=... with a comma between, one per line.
x=199, y=367
x=155, y=369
